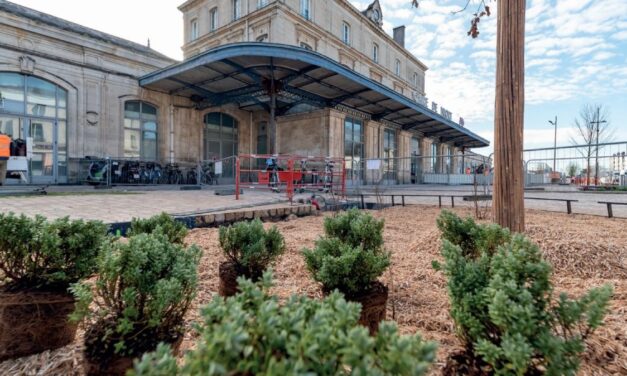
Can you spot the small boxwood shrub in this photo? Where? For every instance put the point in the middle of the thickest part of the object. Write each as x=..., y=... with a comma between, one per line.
x=174, y=230
x=350, y=257
x=250, y=247
x=144, y=287
x=40, y=254
x=252, y=334
x=503, y=304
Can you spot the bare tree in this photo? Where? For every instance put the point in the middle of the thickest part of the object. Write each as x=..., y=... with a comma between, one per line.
x=591, y=129
x=508, y=194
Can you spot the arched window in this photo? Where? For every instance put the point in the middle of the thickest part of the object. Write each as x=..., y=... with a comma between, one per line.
x=140, y=130
x=31, y=107
x=220, y=136
x=213, y=19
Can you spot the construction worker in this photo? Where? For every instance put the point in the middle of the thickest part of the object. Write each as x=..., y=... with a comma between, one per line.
x=5, y=153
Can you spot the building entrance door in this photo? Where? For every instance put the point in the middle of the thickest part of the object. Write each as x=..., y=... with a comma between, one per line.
x=46, y=141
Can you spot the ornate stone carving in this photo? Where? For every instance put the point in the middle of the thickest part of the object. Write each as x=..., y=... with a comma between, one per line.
x=27, y=64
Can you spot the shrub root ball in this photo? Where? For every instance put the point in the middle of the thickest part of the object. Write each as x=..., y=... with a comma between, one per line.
x=34, y=321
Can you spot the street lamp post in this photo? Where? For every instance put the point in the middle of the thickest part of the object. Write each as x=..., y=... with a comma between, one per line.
x=596, y=167
x=554, y=123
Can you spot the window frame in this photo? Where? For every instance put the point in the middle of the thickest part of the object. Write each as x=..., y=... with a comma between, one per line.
x=434, y=157
x=222, y=139
x=346, y=33
x=305, y=9
x=375, y=52
x=237, y=9
x=141, y=130
x=213, y=19
x=193, y=30
x=353, y=161
x=397, y=67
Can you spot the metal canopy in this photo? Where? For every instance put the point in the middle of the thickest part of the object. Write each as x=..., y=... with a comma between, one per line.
x=242, y=73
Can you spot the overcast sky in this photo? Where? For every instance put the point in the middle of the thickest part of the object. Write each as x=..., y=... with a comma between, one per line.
x=576, y=53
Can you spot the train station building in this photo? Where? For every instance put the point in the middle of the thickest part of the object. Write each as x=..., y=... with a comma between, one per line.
x=299, y=77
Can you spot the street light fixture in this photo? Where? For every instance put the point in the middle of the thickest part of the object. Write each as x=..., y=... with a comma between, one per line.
x=554, y=123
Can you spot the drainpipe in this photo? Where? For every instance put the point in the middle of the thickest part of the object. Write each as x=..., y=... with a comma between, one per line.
x=171, y=121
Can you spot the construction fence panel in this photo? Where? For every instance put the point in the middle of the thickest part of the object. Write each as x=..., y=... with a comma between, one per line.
x=605, y=170
x=442, y=169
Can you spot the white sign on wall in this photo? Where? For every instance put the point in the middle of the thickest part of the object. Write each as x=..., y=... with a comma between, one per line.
x=373, y=164
x=218, y=168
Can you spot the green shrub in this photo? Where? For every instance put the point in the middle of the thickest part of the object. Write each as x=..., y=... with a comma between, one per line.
x=174, y=230
x=350, y=257
x=144, y=285
x=251, y=247
x=252, y=334
x=503, y=305
x=35, y=253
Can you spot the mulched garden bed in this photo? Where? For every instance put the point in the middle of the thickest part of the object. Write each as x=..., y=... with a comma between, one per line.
x=585, y=251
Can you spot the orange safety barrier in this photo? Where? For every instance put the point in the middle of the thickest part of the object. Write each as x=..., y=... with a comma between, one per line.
x=290, y=174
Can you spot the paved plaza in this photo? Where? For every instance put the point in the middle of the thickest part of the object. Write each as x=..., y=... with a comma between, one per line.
x=121, y=205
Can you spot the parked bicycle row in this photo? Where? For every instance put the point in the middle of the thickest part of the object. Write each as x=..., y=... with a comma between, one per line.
x=114, y=172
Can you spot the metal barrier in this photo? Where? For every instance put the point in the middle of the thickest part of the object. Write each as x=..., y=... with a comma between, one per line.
x=290, y=174
x=602, y=164
x=582, y=171
x=439, y=169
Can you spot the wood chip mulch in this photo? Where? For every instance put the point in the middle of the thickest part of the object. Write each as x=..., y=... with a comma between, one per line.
x=585, y=252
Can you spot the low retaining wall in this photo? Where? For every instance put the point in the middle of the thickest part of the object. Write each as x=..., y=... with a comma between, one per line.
x=228, y=217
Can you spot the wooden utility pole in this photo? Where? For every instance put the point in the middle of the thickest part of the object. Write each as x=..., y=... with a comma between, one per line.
x=508, y=197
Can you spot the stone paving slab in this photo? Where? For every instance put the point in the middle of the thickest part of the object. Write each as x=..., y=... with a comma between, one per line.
x=123, y=206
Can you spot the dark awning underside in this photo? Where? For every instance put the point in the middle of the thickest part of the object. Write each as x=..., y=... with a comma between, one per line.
x=242, y=73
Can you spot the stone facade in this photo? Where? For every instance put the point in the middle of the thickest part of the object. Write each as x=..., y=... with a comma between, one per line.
x=100, y=74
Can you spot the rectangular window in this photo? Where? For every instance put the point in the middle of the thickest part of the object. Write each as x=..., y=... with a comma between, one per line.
x=397, y=68
x=193, y=30
x=213, y=19
x=305, y=9
x=375, y=52
x=346, y=33
x=449, y=159
x=353, y=148
x=389, y=153
x=237, y=9
x=434, y=157
x=416, y=161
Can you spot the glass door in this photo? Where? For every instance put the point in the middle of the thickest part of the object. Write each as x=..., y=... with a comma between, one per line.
x=42, y=166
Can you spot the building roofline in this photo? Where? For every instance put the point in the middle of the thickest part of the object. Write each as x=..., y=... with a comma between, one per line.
x=311, y=58
x=48, y=19
x=390, y=39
